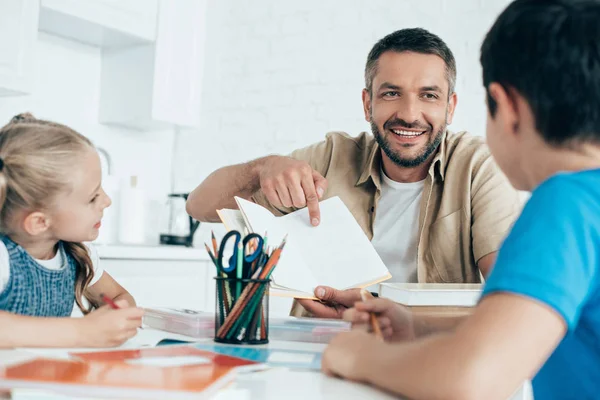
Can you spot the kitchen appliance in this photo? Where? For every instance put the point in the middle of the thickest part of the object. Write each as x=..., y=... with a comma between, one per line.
x=181, y=227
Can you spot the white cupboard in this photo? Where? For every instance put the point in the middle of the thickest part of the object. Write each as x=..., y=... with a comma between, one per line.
x=18, y=35
x=158, y=86
x=104, y=23
x=162, y=276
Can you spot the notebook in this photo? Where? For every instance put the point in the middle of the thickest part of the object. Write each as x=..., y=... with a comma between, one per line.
x=432, y=294
x=336, y=253
x=171, y=372
x=272, y=356
x=186, y=322
x=168, y=325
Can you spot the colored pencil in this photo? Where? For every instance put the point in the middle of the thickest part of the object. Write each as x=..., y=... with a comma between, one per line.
x=366, y=295
x=109, y=301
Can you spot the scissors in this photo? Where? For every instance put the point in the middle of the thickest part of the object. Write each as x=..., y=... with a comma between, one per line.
x=230, y=266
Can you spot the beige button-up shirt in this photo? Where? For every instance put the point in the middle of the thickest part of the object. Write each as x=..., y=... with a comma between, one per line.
x=467, y=207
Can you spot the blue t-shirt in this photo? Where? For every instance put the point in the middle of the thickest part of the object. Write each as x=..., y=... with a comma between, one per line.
x=552, y=255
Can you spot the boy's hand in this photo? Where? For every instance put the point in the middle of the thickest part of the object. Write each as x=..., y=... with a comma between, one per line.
x=107, y=327
x=395, y=321
x=347, y=355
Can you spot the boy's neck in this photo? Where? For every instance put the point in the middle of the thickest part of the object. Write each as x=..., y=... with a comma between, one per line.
x=546, y=161
x=44, y=249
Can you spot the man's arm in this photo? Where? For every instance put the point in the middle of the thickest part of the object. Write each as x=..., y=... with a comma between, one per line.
x=217, y=191
x=279, y=183
x=495, y=205
x=488, y=356
x=486, y=263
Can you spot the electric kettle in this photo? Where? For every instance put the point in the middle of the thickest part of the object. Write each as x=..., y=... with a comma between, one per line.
x=181, y=227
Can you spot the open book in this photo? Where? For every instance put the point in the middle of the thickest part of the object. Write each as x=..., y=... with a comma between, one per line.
x=336, y=253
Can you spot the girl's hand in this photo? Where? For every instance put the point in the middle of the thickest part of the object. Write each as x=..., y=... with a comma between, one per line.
x=107, y=327
x=348, y=354
x=395, y=321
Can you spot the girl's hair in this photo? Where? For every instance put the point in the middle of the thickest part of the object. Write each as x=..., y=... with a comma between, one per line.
x=36, y=157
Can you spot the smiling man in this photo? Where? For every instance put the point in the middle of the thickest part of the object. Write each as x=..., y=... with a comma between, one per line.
x=433, y=203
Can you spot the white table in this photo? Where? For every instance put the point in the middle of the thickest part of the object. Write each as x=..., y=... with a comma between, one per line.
x=270, y=384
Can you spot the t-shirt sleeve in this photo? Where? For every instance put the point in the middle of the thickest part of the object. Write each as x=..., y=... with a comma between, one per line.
x=4, y=266
x=550, y=255
x=98, y=270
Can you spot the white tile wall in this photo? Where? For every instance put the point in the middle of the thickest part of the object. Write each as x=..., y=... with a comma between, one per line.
x=279, y=74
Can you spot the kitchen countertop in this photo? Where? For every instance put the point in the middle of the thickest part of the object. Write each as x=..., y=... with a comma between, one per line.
x=150, y=252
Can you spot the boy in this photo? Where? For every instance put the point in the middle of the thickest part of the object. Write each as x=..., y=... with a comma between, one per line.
x=539, y=315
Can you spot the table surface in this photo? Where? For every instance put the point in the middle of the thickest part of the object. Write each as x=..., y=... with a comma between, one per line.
x=269, y=384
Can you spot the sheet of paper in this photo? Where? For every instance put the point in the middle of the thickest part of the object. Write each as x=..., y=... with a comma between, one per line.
x=281, y=357
x=336, y=253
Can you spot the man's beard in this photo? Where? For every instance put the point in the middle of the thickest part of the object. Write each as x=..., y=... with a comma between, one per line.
x=395, y=156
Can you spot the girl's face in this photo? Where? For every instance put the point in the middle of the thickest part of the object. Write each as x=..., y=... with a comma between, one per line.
x=78, y=213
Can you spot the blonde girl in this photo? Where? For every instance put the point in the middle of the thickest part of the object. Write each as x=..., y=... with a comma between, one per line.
x=51, y=201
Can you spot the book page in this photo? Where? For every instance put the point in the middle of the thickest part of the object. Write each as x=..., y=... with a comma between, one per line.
x=259, y=218
x=232, y=219
x=336, y=253
x=290, y=268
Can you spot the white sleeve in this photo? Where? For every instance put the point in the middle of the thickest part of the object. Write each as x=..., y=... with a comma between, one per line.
x=4, y=266
x=98, y=270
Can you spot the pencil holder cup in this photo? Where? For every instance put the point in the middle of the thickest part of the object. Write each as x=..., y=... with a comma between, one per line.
x=242, y=310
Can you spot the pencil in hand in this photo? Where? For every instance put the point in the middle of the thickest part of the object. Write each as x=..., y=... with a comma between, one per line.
x=366, y=295
x=109, y=301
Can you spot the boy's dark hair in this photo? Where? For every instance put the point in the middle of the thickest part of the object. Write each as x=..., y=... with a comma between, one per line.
x=549, y=52
x=417, y=40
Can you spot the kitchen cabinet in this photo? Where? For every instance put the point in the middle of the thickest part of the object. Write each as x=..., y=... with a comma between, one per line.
x=18, y=36
x=104, y=23
x=170, y=276
x=158, y=86
x=162, y=276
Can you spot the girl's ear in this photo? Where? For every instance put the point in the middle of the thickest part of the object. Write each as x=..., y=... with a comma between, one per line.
x=36, y=223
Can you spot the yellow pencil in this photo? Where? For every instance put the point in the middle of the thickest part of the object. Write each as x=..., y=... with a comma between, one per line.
x=366, y=295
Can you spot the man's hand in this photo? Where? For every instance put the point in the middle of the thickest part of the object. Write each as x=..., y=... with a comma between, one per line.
x=333, y=302
x=292, y=183
x=396, y=321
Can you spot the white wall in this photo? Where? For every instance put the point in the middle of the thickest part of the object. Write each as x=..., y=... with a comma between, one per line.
x=280, y=74
x=66, y=89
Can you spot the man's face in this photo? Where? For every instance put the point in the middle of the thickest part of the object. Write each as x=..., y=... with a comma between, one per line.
x=409, y=107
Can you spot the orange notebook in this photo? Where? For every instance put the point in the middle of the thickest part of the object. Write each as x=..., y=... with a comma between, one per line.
x=170, y=372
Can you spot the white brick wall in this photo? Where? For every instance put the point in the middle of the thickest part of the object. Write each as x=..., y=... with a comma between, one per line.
x=280, y=74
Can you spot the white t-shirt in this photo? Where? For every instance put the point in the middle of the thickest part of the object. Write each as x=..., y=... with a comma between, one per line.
x=396, y=229
x=55, y=263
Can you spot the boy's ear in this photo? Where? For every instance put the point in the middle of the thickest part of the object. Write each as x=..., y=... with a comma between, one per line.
x=36, y=223
x=507, y=111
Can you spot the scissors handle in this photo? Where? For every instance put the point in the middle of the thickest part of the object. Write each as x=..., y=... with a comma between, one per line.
x=230, y=266
x=252, y=259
